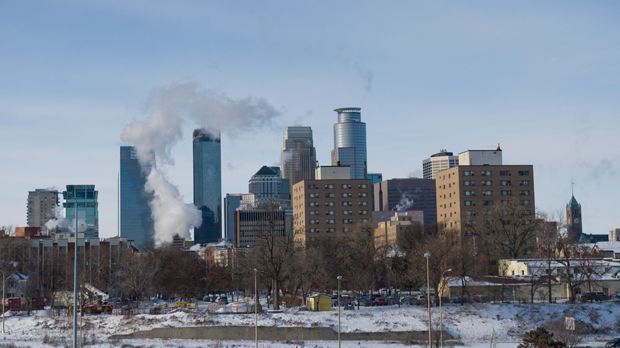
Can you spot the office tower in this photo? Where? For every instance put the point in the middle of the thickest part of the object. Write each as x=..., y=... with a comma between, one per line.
x=481, y=157
x=298, y=155
x=85, y=197
x=350, y=142
x=438, y=162
x=407, y=194
x=136, y=220
x=329, y=208
x=42, y=204
x=255, y=223
x=232, y=202
x=467, y=193
x=268, y=186
x=614, y=234
x=573, y=220
x=208, y=185
x=374, y=179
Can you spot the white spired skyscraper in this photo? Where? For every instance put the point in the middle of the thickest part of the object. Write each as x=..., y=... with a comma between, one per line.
x=350, y=142
x=298, y=154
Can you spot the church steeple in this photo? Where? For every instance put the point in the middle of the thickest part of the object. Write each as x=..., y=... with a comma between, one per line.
x=573, y=218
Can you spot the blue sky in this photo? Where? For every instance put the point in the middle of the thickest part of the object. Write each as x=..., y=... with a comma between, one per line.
x=540, y=77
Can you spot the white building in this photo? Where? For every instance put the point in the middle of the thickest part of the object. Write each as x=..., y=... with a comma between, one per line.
x=614, y=235
x=481, y=157
x=332, y=172
x=438, y=162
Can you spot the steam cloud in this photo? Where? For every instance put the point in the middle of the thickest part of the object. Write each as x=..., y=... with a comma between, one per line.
x=154, y=137
x=406, y=201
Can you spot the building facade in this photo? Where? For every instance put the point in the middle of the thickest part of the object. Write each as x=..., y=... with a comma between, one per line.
x=136, y=221
x=207, y=154
x=397, y=232
x=407, y=194
x=268, y=186
x=232, y=202
x=85, y=198
x=614, y=234
x=42, y=205
x=350, y=142
x=481, y=157
x=438, y=162
x=332, y=172
x=574, y=225
x=466, y=193
x=324, y=208
x=255, y=223
x=298, y=155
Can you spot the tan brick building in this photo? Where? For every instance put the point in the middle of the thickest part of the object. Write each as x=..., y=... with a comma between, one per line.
x=396, y=232
x=465, y=193
x=329, y=208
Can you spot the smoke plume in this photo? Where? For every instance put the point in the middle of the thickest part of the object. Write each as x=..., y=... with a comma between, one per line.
x=154, y=138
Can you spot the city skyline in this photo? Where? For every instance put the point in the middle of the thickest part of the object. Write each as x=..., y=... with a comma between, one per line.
x=438, y=92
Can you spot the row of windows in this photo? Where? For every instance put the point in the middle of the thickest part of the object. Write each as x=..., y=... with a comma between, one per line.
x=487, y=172
x=490, y=183
x=468, y=203
x=501, y=192
x=344, y=212
x=331, y=186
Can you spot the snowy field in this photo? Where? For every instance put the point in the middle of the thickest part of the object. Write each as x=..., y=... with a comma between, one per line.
x=474, y=325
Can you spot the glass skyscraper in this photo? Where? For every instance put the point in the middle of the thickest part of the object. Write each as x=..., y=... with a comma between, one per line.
x=208, y=185
x=85, y=197
x=298, y=155
x=350, y=142
x=232, y=201
x=136, y=221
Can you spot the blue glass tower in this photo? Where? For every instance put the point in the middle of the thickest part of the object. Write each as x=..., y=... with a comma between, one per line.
x=350, y=142
x=85, y=197
x=136, y=221
x=208, y=185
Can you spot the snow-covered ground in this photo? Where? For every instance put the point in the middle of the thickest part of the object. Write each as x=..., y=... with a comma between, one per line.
x=472, y=324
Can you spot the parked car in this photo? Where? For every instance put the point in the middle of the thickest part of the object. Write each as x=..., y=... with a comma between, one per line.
x=596, y=296
x=379, y=301
x=613, y=343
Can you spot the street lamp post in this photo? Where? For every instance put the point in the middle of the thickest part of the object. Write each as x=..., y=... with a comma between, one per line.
x=427, y=255
x=255, y=308
x=339, y=279
x=443, y=277
x=3, y=286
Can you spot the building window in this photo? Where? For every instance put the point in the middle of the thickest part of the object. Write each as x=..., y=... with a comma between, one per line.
x=329, y=204
x=469, y=193
x=524, y=183
x=505, y=182
x=313, y=186
x=314, y=204
x=346, y=186
x=362, y=186
x=347, y=212
x=525, y=202
x=468, y=173
x=362, y=194
x=524, y=173
x=347, y=204
x=330, y=221
x=329, y=186
x=485, y=173
x=468, y=183
x=347, y=221
x=362, y=204
x=315, y=230
x=330, y=230
x=524, y=193
x=487, y=203
x=314, y=195
x=330, y=195
x=505, y=173
x=363, y=212
x=347, y=195
x=506, y=193
x=487, y=193
x=468, y=203
x=329, y=212
x=486, y=182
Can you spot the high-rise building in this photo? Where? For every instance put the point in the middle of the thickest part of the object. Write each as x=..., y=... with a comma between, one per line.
x=374, y=179
x=232, y=202
x=467, y=193
x=438, y=162
x=573, y=219
x=136, y=220
x=85, y=197
x=268, y=186
x=350, y=142
x=329, y=208
x=42, y=205
x=481, y=157
x=407, y=194
x=208, y=185
x=298, y=155
x=614, y=234
x=253, y=223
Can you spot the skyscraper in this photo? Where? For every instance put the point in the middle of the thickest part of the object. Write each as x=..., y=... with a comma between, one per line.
x=42, y=205
x=208, y=185
x=438, y=162
x=407, y=194
x=298, y=155
x=85, y=197
x=573, y=219
x=350, y=142
x=136, y=221
x=232, y=201
x=267, y=185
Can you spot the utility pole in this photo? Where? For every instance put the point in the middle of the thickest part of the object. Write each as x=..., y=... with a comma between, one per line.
x=427, y=255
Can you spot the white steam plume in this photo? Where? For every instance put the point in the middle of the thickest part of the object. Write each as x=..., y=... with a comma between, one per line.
x=154, y=138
